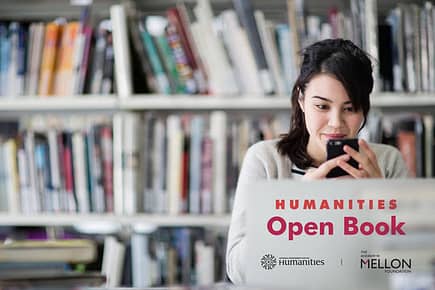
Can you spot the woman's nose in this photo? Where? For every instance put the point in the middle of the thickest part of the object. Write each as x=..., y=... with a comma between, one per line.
x=335, y=119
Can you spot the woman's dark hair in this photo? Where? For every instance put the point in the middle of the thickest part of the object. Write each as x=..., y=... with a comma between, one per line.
x=346, y=62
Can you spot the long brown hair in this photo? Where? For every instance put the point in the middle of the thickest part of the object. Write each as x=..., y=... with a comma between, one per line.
x=341, y=59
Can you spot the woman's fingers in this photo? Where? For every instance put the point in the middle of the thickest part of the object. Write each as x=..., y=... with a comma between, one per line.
x=368, y=163
x=352, y=171
x=370, y=155
x=359, y=157
x=323, y=170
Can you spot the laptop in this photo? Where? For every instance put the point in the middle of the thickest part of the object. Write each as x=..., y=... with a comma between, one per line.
x=340, y=234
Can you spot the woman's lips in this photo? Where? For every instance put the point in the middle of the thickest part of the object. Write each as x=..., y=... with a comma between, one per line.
x=335, y=136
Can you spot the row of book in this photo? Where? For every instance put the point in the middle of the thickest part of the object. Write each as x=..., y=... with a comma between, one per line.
x=179, y=256
x=349, y=23
x=163, y=256
x=411, y=133
x=407, y=48
x=57, y=169
x=188, y=52
x=56, y=58
x=238, y=51
x=242, y=52
x=170, y=163
x=189, y=163
x=47, y=263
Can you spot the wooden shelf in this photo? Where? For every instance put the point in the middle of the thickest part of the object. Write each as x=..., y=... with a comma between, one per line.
x=403, y=100
x=109, y=220
x=248, y=102
x=94, y=103
x=204, y=102
x=84, y=103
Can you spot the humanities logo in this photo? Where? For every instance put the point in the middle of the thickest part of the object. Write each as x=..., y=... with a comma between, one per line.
x=268, y=261
x=388, y=265
x=300, y=261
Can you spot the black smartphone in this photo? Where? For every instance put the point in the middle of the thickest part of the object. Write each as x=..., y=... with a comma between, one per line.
x=334, y=148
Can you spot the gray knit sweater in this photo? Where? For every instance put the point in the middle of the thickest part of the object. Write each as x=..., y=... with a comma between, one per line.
x=262, y=161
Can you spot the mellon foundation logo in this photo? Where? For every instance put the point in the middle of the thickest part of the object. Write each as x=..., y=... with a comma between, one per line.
x=388, y=265
x=268, y=261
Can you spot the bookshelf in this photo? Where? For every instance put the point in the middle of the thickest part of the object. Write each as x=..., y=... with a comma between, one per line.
x=64, y=219
x=126, y=101
x=94, y=103
x=89, y=103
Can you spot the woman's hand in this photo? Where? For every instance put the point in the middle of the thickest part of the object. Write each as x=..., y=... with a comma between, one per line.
x=325, y=167
x=368, y=163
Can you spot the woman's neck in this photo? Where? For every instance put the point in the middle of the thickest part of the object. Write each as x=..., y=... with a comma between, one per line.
x=316, y=154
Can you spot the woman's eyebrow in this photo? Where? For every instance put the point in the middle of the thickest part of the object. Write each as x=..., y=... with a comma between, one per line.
x=322, y=98
x=328, y=100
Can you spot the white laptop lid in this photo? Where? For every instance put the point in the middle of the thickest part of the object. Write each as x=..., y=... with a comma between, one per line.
x=315, y=246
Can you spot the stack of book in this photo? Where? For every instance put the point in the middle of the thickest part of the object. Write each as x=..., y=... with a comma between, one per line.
x=47, y=263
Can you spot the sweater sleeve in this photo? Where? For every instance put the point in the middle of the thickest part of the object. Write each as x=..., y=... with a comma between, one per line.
x=391, y=161
x=397, y=167
x=253, y=168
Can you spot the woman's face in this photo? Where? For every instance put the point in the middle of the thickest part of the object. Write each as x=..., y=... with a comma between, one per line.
x=329, y=114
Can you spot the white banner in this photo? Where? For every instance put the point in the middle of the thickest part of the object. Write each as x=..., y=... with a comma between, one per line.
x=365, y=234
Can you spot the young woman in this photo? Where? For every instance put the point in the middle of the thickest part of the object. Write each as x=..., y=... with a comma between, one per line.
x=330, y=100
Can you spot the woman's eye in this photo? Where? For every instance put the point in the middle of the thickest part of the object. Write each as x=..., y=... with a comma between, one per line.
x=349, y=109
x=321, y=107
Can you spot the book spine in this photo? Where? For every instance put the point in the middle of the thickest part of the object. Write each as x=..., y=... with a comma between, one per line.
x=107, y=158
x=121, y=50
x=183, y=67
x=197, y=128
x=218, y=129
x=246, y=15
x=48, y=62
x=159, y=73
x=174, y=170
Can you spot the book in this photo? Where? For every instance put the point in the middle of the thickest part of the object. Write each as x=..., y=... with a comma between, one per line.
x=144, y=69
x=174, y=163
x=221, y=76
x=218, y=134
x=112, y=261
x=108, y=82
x=141, y=260
x=162, y=82
x=268, y=40
x=184, y=68
x=204, y=257
x=131, y=163
x=54, y=280
x=10, y=175
x=97, y=66
x=17, y=65
x=71, y=251
x=4, y=59
x=107, y=152
x=79, y=172
x=53, y=32
x=156, y=26
x=245, y=13
x=121, y=50
x=241, y=55
x=196, y=137
x=199, y=72
x=34, y=55
x=63, y=75
x=285, y=48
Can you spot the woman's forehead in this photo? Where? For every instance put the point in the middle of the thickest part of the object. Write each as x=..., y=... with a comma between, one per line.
x=328, y=87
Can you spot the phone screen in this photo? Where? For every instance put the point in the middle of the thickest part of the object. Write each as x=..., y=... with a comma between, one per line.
x=334, y=148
